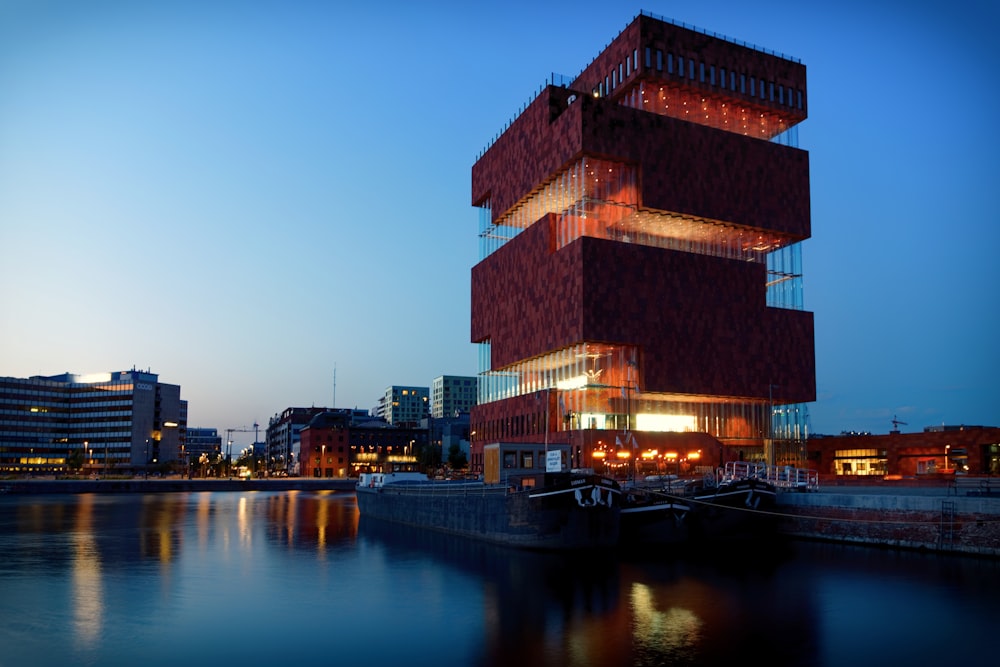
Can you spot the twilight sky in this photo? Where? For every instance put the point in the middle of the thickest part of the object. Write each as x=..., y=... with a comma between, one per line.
x=244, y=196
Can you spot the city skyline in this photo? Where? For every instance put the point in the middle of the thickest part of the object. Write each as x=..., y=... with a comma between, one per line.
x=258, y=200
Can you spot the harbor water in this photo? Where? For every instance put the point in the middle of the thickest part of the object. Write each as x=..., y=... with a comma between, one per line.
x=295, y=577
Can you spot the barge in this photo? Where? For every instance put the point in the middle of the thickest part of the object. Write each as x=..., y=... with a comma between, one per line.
x=518, y=502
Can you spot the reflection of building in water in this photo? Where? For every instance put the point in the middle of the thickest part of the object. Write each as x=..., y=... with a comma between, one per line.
x=88, y=590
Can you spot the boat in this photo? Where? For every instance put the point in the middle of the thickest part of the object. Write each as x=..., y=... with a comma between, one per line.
x=517, y=503
x=734, y=502
x=653, y=517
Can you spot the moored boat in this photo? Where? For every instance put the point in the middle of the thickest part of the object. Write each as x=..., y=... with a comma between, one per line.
x=734, y=503
x=518, y=503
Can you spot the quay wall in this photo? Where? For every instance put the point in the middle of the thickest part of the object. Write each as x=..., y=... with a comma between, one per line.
x=907, y=518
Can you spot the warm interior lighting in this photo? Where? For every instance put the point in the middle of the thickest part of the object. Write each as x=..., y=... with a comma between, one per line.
x=577, y=382
x=645, y=421
x=598, y=454
x=622, y=454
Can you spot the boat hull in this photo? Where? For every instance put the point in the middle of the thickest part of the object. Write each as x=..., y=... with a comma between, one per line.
x=579, y=514
x=738, y=510
x=655, y=522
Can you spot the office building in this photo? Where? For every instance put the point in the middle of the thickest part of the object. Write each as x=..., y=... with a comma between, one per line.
x=402, y=406
x=639, y=289
x=117, y=422
x=452, y=395
x=203, y=441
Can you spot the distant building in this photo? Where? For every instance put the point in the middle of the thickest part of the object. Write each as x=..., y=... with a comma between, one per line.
x=283, y=438
x=401, y=406
x=122, y=421
x=444, y=432
x=452, y=395
x=205, y=441
x=342, y=443
x=939, y=450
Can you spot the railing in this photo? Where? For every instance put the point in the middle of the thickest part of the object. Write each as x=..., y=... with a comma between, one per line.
x=783, y=477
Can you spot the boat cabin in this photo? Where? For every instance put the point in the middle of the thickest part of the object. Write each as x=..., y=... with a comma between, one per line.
x=523, y=465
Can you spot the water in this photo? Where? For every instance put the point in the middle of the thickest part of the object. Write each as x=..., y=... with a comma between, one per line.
x=282, y=578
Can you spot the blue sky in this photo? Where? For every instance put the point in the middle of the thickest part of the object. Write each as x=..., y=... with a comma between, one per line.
x=245, y=196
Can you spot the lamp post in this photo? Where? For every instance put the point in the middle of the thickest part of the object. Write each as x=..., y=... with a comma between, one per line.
x=145, y=462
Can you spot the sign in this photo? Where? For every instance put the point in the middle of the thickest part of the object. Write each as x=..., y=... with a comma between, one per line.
x=553, y=461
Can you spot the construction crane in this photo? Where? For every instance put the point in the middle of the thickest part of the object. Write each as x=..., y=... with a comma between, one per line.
x=896, y=424
x=240, y=429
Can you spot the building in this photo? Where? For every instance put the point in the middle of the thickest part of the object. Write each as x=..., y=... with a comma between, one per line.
x=639, y=287
x=346, y=443
x=117, y=422
x=203, y=442
x=283, y=440
x=453, y=395
x=938, y=450
x=401, y=406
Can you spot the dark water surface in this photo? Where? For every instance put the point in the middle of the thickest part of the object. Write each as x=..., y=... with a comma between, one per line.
x=293, y=578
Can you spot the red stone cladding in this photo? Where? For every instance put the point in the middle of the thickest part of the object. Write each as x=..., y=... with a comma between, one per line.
x=683, y=167
x=691, y=44
x=700, y=322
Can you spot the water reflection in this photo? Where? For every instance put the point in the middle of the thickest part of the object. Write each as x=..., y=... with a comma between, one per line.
x=158, y=579
x=88, y=593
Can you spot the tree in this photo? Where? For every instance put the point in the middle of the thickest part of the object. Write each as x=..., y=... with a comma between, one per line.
x=456, y=458
x=74, y=461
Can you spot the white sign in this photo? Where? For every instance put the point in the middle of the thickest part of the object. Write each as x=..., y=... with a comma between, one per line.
x=553, y=461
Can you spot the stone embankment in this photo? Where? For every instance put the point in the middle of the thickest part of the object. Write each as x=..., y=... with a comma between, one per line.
x=946, y=518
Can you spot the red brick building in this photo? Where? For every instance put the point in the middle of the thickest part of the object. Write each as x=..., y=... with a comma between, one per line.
x=945, y=450
x=639, y=289
x=334, y=444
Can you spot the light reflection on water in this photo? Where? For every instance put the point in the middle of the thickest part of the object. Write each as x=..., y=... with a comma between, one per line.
x=262, y=578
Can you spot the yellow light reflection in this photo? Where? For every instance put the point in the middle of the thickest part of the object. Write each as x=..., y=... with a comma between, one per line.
x=672, y=631
x=88, y=592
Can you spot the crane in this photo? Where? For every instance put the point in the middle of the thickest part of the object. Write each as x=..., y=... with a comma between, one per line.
x=240, y=429
x=896, y=424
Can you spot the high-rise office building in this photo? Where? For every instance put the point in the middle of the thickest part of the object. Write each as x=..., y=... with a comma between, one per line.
x=121, y=421
x=639, y=289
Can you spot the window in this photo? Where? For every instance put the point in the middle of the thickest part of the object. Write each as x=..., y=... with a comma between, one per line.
x=701, y=72
x=680, y=65
x=743, y=84
x=722, y=77
x=670, y=63
x=649, y=56
x=711, y=75
x=659, y=60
